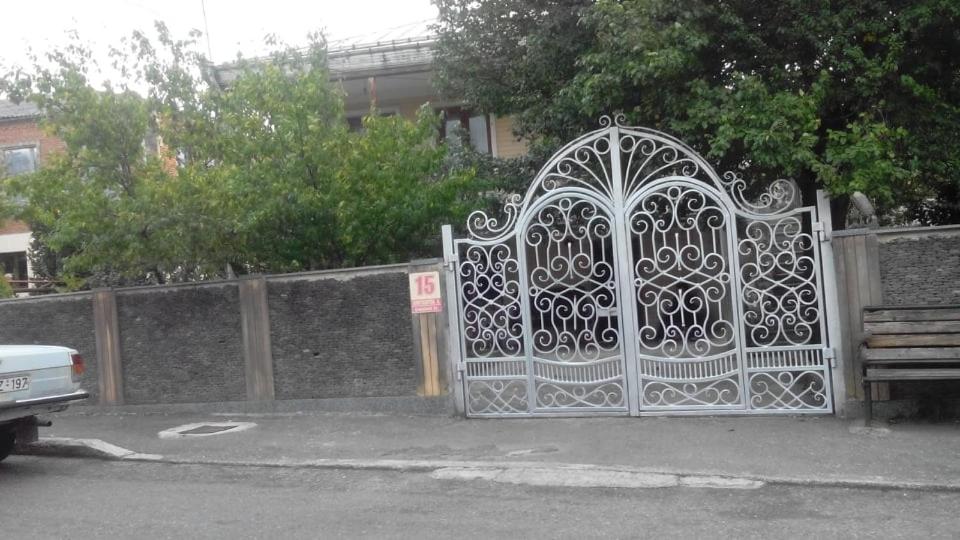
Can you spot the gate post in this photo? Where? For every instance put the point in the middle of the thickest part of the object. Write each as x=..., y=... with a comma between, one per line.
x=451, y=304
x=830, y=302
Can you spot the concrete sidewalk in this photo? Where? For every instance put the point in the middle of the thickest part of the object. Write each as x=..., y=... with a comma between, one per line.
x=806, y=450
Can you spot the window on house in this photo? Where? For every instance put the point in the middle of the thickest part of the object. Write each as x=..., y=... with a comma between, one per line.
x=355, y=123
x=151, y=144
x=14, y=264
x=355, y=120
x=479, y=134
x=474, y=127
x=19, y=160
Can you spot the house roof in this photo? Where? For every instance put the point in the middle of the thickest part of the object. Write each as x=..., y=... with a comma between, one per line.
x=349, y=59
x=403, y=33
x=380, y=58
x=14, y=111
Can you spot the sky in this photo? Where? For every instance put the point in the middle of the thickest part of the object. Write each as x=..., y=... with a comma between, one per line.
x=233, y=25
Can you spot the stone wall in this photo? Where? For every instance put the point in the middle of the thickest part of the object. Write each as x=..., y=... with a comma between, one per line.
x=921, y=267
x=181, y=345
x=339, y=334
x=336, y=337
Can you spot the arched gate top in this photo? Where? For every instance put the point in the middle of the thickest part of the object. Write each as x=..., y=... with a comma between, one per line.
x=615, y=162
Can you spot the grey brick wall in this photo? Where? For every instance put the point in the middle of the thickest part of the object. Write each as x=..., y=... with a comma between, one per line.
x=181, y=345
x=336, y=337
x=61, y=320
x=921, y=269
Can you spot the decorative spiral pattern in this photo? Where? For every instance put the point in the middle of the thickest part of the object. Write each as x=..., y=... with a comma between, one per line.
x=780, y=292
x=788, y=390
x=482, y=226
x=550, y=395
x=722, y=393
x=781, y=195
x=681, y=274
x=721, y=281
x=572, y=287
x=648, y=159
x=586, y=166
x=493, y=397
x=491, y=322
x=573, y=300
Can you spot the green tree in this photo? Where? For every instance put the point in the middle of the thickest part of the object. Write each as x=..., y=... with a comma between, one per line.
x=166, y=177
x=512, y=56
x=394, y=190
x=6, y=291
x=101, y=202
x=275, y=140
x=859, y=95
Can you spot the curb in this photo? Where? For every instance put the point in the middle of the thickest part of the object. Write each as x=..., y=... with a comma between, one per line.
x=570, y=474
x=429, y=466
x=81, y=448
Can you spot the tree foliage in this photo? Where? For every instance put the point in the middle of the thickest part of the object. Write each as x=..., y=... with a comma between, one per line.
x=859, y=95
x=396, y=187
x=6, y=291
x=167, y=177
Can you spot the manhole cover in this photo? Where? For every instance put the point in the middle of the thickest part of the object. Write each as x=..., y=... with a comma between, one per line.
x=204, y=429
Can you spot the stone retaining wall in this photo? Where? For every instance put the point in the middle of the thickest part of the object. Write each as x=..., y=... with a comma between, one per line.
x=337, y=334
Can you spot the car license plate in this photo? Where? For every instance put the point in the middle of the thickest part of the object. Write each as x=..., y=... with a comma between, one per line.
x=15, y=384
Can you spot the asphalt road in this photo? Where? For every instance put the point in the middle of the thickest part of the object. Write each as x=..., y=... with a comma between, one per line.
x=76, y=498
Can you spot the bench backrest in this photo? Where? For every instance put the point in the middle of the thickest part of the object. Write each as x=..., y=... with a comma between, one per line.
x=911, y=326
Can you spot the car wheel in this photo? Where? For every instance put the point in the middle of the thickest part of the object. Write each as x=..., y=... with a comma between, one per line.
x=6, y=444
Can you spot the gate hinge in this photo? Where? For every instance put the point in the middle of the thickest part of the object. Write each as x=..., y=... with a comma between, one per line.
x=831, y=355
x=450, y=261
x=461, y=367
x=820, y=230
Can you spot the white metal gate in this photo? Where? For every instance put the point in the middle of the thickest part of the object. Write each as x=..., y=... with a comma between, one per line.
x=633, y=279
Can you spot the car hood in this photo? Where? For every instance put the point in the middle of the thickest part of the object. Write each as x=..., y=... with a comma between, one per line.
x=14, y=358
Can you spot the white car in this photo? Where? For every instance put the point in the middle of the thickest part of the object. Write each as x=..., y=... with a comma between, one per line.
x=34, y=379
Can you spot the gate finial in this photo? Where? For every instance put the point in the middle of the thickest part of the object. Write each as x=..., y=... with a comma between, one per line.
x=618, y=119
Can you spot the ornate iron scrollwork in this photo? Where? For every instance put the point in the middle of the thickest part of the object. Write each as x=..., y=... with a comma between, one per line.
x=629, y=225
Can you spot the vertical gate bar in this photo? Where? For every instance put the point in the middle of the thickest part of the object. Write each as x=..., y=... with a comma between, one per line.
x=456, y=379
x=833, y=310
x=624, y=256
x=526, y=314
x=822, y=301
x=740, y=353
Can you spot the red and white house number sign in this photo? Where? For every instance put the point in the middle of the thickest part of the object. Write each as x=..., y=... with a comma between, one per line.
x=425, y=292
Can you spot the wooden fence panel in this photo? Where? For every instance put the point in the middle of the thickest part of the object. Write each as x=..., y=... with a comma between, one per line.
x=858, y=285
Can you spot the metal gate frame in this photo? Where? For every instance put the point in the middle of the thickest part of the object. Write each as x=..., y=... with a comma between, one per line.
x=769, y=280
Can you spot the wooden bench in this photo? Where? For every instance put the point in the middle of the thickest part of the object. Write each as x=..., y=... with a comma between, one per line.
x=909, y=343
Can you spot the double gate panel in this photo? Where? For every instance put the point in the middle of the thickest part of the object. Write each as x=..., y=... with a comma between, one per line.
x=632, y=279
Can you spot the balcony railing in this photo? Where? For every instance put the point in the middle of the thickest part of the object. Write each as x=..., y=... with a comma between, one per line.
x=33, y=287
